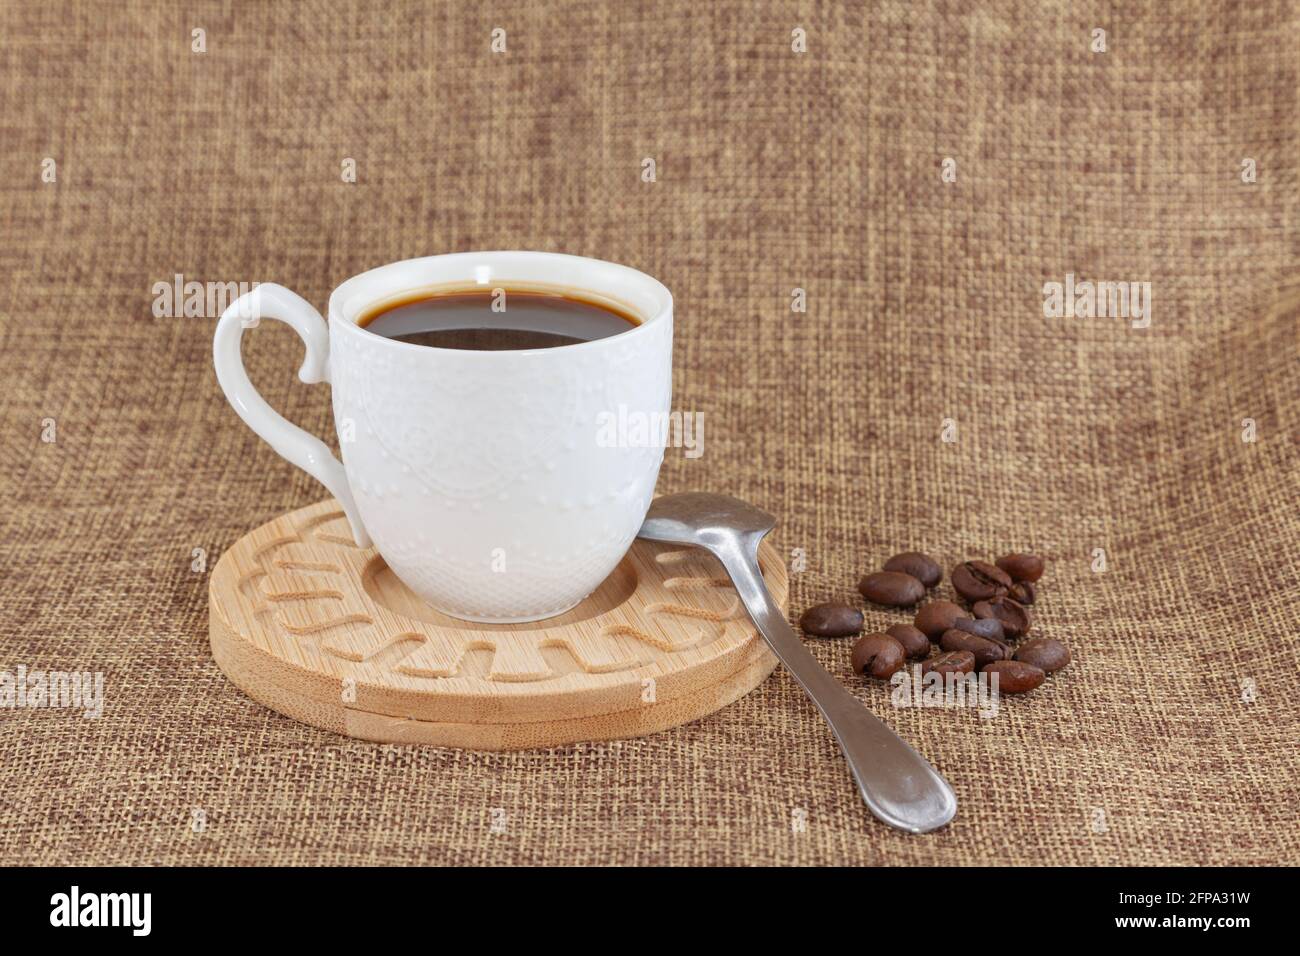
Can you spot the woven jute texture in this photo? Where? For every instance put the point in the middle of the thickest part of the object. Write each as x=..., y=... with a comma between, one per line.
x=1154, y=467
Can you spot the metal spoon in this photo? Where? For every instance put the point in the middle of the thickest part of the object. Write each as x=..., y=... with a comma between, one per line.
x=898, y=784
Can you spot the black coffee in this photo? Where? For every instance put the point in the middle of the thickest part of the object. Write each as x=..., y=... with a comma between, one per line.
x=497, y=320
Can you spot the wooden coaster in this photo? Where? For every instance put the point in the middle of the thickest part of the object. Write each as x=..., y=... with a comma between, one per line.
x=322, y=631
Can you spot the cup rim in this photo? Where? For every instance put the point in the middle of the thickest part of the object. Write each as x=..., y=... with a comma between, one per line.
x=650, y=286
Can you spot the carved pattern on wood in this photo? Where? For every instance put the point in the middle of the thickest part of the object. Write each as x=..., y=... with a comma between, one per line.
x=305, y=584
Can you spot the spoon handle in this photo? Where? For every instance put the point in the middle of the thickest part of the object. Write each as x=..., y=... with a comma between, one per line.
x=899, y=785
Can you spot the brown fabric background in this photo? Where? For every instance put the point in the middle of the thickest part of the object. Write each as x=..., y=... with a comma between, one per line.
x=774, y=171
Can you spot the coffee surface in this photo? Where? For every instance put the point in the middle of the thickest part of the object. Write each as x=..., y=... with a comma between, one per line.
x=497, y=320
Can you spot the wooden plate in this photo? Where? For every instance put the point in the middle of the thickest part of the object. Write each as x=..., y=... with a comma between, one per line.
x=322, y=631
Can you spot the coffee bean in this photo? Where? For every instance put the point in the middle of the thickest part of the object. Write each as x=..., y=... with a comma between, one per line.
x=1045, y=653
x=920, y=566
x=979, y=580
x=937, y=617
x=878, y=655
x=988, y=628
x=915, y=644
x=1024, y=592
x=986, y=651
x=1015, y=677
x=831, y=620
x=1006, y=611
x=950, y=662
x=1022, y=567
x=891, y=588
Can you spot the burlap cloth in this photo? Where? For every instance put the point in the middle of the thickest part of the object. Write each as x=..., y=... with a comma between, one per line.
x=1173, y=736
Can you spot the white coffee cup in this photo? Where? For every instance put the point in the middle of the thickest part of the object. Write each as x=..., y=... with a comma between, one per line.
x=479, y=476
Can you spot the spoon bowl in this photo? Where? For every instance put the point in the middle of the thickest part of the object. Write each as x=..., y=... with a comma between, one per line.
x=703, y=519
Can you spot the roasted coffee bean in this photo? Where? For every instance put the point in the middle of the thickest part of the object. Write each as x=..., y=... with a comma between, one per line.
x=915, y=644
x=1022, y=567
x=979, y=580
x=920, y=566
x=878, y=655
x=937, y=617
x=891, y=588
x=1015, y=677
x=1045, y=653
x=986, y=651
x=989, y=628
x=950, y=662
x=831, y=620
x=1006, y=611
x=1024, y=592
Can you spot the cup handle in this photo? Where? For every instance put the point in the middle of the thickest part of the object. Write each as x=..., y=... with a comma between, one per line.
x=271, y=301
